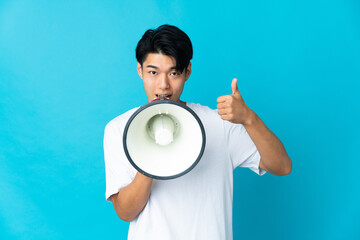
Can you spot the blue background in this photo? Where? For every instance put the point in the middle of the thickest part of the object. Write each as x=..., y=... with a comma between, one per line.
x=68, y=67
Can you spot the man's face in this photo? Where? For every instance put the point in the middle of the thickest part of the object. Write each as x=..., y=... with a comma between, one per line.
x=160, y=77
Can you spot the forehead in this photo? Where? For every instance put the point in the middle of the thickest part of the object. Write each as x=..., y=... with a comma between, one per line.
x=159, y=60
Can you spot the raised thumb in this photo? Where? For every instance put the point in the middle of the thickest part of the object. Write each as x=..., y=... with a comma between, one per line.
x=234, y=86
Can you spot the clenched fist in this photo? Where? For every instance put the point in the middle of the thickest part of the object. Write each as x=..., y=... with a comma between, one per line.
x=233, y=107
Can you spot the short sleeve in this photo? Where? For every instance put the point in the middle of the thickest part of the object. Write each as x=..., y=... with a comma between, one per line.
x=242, y=150
x=119, y=172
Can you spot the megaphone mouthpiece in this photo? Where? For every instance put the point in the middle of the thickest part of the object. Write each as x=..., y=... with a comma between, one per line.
x=161, y=97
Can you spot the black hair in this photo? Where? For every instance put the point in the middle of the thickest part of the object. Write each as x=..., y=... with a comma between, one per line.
x=168, y=40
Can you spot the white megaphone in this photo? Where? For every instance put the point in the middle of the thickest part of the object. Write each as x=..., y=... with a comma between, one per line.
x=164, y=139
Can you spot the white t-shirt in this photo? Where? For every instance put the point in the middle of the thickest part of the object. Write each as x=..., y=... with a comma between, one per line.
x=197, y=205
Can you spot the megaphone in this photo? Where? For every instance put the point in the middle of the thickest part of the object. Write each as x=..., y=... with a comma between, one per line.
x=164, y=139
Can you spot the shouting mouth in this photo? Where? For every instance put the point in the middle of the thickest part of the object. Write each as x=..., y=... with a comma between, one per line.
x=163, y=96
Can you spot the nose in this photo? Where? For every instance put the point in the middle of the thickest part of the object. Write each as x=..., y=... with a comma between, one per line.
x=164, y=82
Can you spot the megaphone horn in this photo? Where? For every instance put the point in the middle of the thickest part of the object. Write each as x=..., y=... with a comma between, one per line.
x=164, y=139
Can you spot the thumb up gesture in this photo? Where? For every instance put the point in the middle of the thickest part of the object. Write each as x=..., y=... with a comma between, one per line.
x=233, y=108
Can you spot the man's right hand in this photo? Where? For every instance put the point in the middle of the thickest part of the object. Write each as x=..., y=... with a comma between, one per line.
x=131, y=200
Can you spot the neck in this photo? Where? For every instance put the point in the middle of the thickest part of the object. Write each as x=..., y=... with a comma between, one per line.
x=182, y=102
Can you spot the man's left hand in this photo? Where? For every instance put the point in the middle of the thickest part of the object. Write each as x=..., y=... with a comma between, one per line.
x=233, y=107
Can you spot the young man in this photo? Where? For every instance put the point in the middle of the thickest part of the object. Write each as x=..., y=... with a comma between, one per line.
x=197, y=205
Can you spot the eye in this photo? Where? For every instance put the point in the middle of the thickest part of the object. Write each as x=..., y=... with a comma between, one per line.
x=174, y=73
x=152, y=73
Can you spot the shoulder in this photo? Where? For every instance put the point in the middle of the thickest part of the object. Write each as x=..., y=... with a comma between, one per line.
x=209, y=117
x=203, y=110
x=120, y=121
x=207, y=113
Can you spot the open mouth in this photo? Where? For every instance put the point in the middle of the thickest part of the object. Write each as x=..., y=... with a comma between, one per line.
x=163, y=96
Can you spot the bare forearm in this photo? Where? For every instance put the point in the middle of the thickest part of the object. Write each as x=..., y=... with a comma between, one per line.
x=274, y=158
x=233, y=108
x=131, y=200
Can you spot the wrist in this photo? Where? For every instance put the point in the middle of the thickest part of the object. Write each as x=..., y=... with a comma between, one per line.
x=144, y=180
x=252, y=117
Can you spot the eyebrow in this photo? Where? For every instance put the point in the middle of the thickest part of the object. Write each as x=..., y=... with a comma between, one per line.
x=152, y=66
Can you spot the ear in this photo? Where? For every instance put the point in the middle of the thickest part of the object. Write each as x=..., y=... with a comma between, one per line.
x=139, y=70
x=188, y=71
